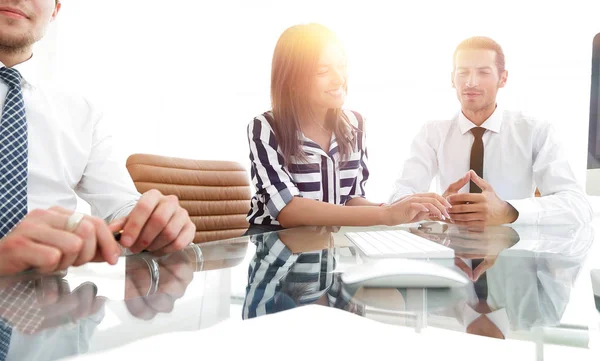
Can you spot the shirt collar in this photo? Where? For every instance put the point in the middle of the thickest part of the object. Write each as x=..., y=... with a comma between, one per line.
x=493, y=123
x=333, y=146
x=28, y=71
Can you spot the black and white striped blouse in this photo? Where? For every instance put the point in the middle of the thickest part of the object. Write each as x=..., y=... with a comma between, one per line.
x=323, y=176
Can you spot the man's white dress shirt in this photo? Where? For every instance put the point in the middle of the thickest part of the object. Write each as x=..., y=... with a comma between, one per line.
x=520, y=154
x=70, y=153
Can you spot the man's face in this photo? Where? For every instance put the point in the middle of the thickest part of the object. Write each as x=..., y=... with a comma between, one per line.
x=476, y=79
x=23, y=22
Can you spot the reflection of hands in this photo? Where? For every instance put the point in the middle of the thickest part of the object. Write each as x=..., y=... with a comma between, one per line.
x=474, y=274
x=433, y=231
x=484, y=244
x=35, y=305
x=152, y=285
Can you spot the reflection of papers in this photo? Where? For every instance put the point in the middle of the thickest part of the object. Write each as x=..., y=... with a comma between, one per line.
x=325, y=332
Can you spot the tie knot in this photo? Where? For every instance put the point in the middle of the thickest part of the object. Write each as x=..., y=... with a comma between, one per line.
x=11, y=77
x=478, y=132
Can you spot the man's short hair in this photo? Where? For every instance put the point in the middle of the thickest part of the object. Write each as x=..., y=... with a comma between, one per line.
x=485, y=43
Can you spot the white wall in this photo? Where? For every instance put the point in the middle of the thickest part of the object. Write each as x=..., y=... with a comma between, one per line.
x=183, y=78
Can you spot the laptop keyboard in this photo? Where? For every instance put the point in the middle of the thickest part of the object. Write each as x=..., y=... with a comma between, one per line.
x=398, y=243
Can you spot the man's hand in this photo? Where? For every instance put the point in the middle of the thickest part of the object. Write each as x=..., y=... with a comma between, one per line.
x=41, y=241
x=480, y=209
x=157, y=224
x=455, y=187
x=452, y=189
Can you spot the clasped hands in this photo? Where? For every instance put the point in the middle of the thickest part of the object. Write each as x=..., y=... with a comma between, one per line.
x=476, y=210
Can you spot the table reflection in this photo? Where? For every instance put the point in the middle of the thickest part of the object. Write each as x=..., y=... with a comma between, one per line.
x=44, y=318
x=154, y=284
x=520, y=277
x=292, y=268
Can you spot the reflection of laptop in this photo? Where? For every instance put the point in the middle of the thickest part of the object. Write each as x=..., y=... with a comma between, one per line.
x=398, y=244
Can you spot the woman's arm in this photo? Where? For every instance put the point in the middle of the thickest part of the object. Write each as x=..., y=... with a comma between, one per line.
x=309, y=212
x=360, y=201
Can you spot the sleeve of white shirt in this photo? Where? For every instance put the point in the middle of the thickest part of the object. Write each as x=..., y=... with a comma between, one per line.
x=106, y=184
x=420, y=168
x=562, y=200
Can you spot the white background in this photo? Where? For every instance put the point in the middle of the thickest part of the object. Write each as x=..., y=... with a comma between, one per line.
x=184, y=77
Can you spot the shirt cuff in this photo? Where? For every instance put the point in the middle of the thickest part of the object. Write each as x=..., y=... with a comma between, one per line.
x=122, y=212
x=284, y=193
x=399, y=195
x=529, y=211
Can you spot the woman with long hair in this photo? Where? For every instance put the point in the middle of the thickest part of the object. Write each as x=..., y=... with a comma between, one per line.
x=308, y=155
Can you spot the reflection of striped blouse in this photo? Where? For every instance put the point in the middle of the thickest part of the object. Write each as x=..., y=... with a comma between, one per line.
x=323, y=176
x=275, y=274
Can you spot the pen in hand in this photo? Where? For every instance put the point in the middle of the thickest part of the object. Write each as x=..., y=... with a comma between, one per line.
x=117, y=235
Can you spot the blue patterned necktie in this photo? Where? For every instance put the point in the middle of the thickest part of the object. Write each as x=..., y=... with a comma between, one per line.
x=13, y=154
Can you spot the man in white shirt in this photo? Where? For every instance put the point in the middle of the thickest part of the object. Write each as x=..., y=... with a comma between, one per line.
x=490, y=160
x=52, y=148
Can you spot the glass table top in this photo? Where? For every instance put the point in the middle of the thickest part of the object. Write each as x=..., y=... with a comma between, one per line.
x=537, y=284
